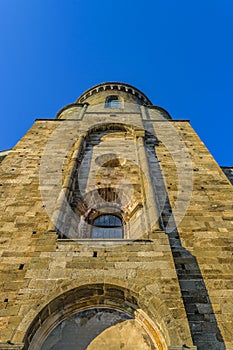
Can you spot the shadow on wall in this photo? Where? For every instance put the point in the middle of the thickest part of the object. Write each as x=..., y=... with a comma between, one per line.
x=203, y=325
x=97, y=328
x=83, y=327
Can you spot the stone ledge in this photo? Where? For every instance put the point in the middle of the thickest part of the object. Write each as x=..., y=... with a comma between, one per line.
x=8, y=346
x=101, y=241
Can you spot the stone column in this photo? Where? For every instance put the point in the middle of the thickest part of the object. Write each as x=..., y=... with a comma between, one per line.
x=151, y=205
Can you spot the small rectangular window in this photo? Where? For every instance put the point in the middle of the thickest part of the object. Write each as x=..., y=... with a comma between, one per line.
x=113, y=102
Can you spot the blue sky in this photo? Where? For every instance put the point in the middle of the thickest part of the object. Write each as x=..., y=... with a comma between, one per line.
x=178, y=52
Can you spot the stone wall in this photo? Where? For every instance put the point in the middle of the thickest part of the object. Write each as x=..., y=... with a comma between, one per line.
x=204, y=259
x=179, y=275
x=36, y=267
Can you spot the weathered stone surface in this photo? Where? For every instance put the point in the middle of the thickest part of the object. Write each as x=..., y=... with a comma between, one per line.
x=181, y=279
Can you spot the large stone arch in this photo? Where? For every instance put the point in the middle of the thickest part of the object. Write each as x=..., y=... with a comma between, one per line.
x=135, y=195
x=107, y=295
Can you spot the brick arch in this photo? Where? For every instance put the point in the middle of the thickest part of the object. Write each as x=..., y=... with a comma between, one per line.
x=95, y=295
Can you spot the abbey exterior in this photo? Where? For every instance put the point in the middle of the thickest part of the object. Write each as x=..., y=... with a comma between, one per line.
x=116, y=231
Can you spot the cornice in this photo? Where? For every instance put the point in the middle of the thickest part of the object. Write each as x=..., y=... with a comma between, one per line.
x=114, y=86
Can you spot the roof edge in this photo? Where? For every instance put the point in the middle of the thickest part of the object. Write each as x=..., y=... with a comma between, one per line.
x=114, y=86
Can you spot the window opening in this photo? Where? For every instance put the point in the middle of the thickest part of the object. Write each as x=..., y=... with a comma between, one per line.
x=107, y=226
x=113, y=102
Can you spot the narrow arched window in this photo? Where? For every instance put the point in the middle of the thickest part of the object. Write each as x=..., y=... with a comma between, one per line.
x=113, y=102
x=107, y=226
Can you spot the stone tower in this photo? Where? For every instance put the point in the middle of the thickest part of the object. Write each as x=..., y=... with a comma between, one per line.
x=116, y=231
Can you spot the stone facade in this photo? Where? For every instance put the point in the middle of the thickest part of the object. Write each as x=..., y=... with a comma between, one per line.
x=170, y=272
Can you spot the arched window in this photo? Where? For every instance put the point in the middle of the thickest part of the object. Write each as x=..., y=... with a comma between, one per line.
x=113, y=102
x=107, y=226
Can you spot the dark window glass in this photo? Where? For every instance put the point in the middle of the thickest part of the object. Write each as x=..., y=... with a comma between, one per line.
x=112, y=102
x=107, y=226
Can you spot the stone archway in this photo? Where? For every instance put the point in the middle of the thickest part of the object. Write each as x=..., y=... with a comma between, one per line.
x=93, y=317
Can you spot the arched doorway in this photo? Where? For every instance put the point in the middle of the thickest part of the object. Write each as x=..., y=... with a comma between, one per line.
x=94, y=317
